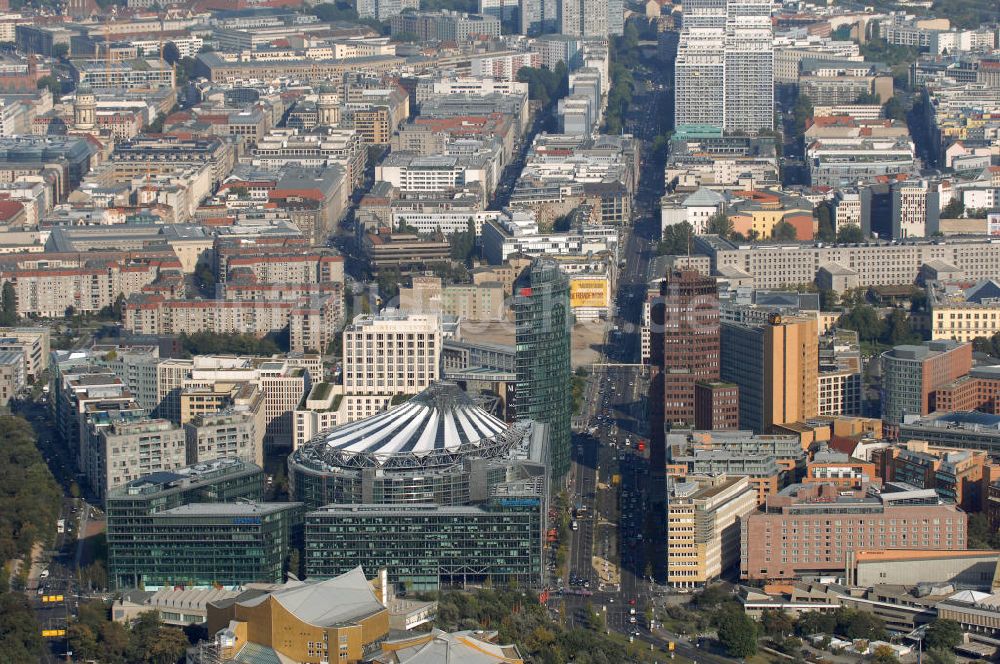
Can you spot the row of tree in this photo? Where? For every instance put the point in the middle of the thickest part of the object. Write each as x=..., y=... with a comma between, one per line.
x=545, y=85
x=624, y=59
x=94, y=637
x=521, y=619
x=30, y=502
x=20, y=635
x=31, y=499
x=210, y=343
x=677, y=239
x=716, y=607
x=8, y=305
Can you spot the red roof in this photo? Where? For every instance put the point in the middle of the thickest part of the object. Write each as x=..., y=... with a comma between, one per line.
x=9, y=210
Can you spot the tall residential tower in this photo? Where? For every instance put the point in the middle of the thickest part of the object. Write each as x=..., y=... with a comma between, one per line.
x=724, y=73
x=583, y=18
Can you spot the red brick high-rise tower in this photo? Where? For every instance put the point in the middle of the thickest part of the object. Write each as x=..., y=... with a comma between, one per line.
x=690, y=341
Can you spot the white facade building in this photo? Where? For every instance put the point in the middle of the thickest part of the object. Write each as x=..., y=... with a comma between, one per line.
x=380, y=10
x=583, y=18
x=699, y=77
x=518, y=233
x=724, y=73
x=391, y=353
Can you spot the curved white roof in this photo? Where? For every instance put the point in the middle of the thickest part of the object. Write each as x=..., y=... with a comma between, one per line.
x=442, y=418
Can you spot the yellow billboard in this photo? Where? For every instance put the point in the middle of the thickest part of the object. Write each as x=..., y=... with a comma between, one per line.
x=589, y=292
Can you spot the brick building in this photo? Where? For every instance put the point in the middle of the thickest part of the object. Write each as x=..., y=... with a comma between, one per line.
x=691, y=341
x=816, y=529
x=955, y=474
x=912, y=373
x=716, y=406
x=979, y=390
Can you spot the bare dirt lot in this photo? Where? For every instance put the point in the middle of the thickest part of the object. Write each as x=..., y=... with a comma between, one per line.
x=586, y=343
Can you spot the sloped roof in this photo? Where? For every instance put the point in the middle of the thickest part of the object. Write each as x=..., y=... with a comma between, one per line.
x=703, y=198
x=988, y=289
x=458, y=648
x=343, y=599
x=970, y=596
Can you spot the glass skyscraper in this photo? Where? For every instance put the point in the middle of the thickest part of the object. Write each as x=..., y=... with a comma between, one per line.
x=542, y=361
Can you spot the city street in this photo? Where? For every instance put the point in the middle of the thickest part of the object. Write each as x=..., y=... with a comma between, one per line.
x=610, y=473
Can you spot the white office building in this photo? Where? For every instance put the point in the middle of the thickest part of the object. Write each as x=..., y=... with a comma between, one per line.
x=749, y=94
x=699, y=77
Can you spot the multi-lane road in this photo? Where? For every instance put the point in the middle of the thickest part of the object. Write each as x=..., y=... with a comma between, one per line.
x=610, y=474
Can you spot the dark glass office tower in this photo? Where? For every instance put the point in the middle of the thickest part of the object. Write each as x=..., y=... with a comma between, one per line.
x=542, y=361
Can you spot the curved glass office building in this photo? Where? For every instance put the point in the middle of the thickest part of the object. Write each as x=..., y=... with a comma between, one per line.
x=439, y=447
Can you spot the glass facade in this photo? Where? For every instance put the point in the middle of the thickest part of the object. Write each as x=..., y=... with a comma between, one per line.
x=208, y=544
x=130, y=508
x=318, y=485
x=471, y=480
x=542, y=361
x=425, y=547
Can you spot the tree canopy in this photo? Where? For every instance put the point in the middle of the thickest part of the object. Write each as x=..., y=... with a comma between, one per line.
x=967, y=13
x=988, y=345
x=521, y=619
x=209, y=343
x=737, y=631
x=463, y=244
x=981, y=534
x=468, y=6
x=8, y=305
x=334, y=11
x=719, y=224
x=20, y=634
x=783, y=232
x=938, y=656
x=815, y=622
x=894, y=109
x=897, y=329
x=824, y=222
x=51, y=82
x=954, y=209
x=676, y=240
x=92, y=636
x=31, y=498
x=802, y=111
x=864, y=320
x=859, y=624
x=884, y=654
x=545, y=85
x=776, y=623
x=850, y=234
x=943, y=634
